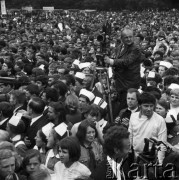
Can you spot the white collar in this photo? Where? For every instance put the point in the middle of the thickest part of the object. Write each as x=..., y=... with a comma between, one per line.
x=35, y=119
x=46, y=107
x=3, y=121
x=16, y=138
x=16, y=109
x=102, y=122
x=134, y=110
x=115, y=167
x=51, y=154
x=36, y=148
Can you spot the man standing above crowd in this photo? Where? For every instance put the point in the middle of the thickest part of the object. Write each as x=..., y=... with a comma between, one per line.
x=126, y=66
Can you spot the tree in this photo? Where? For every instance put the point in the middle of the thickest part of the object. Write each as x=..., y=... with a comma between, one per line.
x=94, y=4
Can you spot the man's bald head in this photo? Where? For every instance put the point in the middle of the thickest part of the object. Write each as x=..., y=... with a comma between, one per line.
x=127, y=36
x=126, y=31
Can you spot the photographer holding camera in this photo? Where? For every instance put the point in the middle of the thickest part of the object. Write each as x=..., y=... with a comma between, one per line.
x=126, y=66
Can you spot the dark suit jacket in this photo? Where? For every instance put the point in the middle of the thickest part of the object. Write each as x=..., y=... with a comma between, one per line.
x=4, y=125
x=32, y=130
x=20, y=177
x=105, y=172
x=127, y=68
x=125, y=113
x=45, y=112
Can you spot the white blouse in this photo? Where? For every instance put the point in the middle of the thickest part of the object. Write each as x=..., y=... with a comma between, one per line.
x=76, y=170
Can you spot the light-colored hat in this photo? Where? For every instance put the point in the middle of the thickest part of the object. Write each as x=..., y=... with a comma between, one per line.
x=88, y=94
x=100, y=102
x=47, y=128
x=166, y=64
x=61, y=129
x=15, y=119
x=173, y=86
x=84, y=65
x=76, y=62
x=151, y=74
x=80, y=75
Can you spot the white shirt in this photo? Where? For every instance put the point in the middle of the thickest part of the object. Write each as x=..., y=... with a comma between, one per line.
x=34, y=120
x=46, y=107
x=75, y=171
x=16, y=139
x=142, y=127
x=174, y=112
x=74, y=128
x=3, y=121
x=36, y=148
x=115, y=167
x=50, y=154
x=134, y=110
x=102, y=123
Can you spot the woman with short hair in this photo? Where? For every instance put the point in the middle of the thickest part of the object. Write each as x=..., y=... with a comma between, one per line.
x=69, y=168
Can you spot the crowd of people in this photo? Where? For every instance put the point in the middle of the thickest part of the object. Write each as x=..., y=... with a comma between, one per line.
x=82, y=94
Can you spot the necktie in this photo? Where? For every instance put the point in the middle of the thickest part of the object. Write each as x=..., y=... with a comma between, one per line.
x=92, y=162
x=122, y=50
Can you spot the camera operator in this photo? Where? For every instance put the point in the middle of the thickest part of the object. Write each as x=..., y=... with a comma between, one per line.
x=126, y=66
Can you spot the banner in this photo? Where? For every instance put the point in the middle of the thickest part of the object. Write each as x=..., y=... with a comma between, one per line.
x=27, y=8
x=3, y=7
x=90, y=10
x=48, y=8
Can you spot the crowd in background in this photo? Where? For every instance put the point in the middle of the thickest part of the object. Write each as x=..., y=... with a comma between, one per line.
x=65, y=114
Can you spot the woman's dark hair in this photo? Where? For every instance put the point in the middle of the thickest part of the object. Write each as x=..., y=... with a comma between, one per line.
x=6, y=109
x=20, y=64
x=147, y=98
x=69, y=79
x=52, y=94
x=43, y=79
x=19, y=96
x=171, y=72
x=9, y=64
x=83, y=96
x=113, y=138
x=29, y=155
x=169, y=80
x=164, y=104
x=19, y=129
x=82, y=130
x=154, y=91
x=61, y=88
x=93, y=110
x=103, y=113
x=73, y=147
x=60, y=109
x=33, y=89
